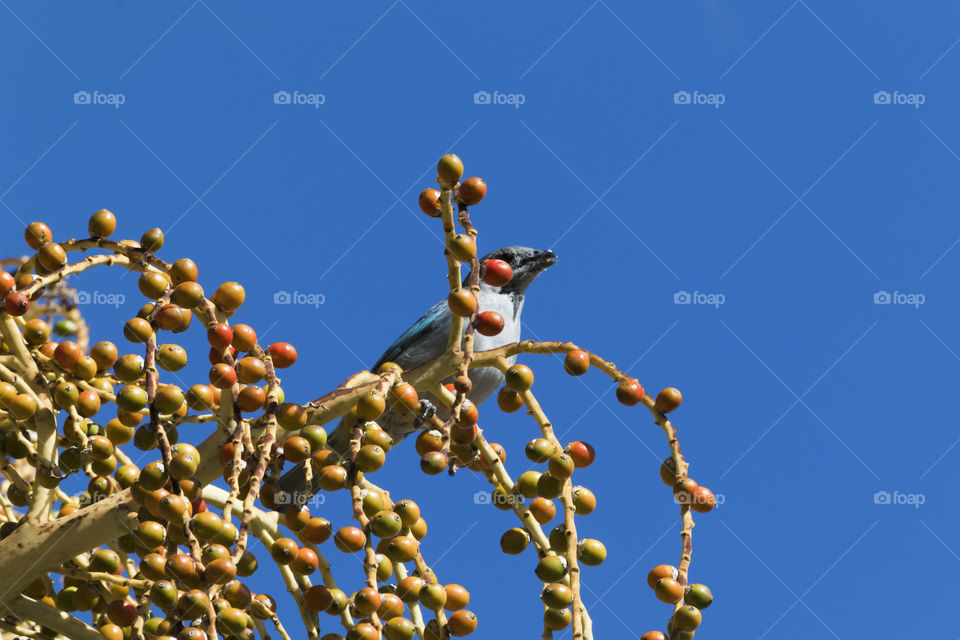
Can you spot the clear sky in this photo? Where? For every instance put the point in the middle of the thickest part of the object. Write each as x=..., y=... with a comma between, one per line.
x=794, y=163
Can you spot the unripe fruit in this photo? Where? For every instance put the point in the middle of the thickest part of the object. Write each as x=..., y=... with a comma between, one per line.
x=557, y=619
x=152, y=240
x=38, y=233
x=699, y=596
x=539, y=450
x=433, y=462
x=668, y=590
x=549, y=487
x=7, y=283
x=449, y=171
x=433, y=596
x=296, y=449
x=153, y=284
x=284, y=550
x=560, y=466
x=584, y=502
x=462, y=302
x=630, y=392
x=557, y=596
x=519, y=377
x=472, y=191
x=131, y=398
x=591, y=552
x=509, y=400
x=653, y=635
x=576, y=362
x=668, y=400
x=370, y=458
x=183, y=270
x=317, y=530
x=102, y=224
x=527, y=483
x=543, y=510
x=687, y=618
x=463, y=246
x=36, y=332
x=399, y=628
x=386, y=524
x=291, y=416
x=229, y=296
x=551, y=568
x=489, y=323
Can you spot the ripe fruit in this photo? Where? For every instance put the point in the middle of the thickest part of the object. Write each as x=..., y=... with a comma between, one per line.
x=306, y=561
x=122, y=612
x=683, y=491
x=222, y=376
x=496, y=273
x=102, y=224
x=576, y=362
x=702, y=500
x=371, y=405
x=284, y=550
x=699, y=596
x=16, y=304
x=489, y=323
x=349, y=539
x=220, y=336
x=509, y=400
x=519, y=377
x=449, y=171
x=630, y=392
x=403, y=398
x=582, y=454
x=433, y=462
x=462, y=302
x=7, y=283
x=668, y=472
x=282, y=354
x=472, y=191
x=660, y=571
x=51, y=256
x=462, y=623
x=37, y=233
x=653, y=635
x=668, y=590
x=543, y=510
x=668, y=400
x=367, y=600
x=429, y=202
x=104, y=354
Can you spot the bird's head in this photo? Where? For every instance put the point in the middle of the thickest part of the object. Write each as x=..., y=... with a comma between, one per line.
x=526, y=263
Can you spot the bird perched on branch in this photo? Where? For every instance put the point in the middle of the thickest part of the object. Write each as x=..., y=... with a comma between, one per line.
x=427, y=339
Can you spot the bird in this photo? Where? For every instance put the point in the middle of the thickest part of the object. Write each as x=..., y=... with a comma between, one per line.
x=427, y=338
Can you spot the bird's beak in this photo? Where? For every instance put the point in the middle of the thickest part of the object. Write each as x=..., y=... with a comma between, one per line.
x=543, y=259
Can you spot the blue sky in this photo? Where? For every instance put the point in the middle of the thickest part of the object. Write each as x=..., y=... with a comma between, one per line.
x=794, y=163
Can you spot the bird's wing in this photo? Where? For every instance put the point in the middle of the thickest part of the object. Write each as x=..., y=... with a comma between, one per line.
x=422, y=342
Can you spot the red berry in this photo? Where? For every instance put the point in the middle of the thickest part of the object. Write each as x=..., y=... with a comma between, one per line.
x=702, y=500
x=472, y=191
x=7, y=283
x=283, y=354
x=16, y=304
x=220, y=336
x=429, y=202
x=223, y=376
x=630, y=392
x=489, y=323
x=582, y=454
x=496, y=273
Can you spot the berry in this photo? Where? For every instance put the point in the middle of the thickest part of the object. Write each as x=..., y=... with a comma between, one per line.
x=630, y=392
x=660, y=571
x=152, y=240
x=462, y=623
x=509, y=400
x=429, y=202
x=472, y=191
x=496, y=273
x=37, y=233
x=591, y=552
x=489, y=323
x=220, y=336
x=582, y=454
x=102, y=224
x=229, y=296
x=699, y=596
x=462, y=302
x=668, y=590
x=668, y=400
x=282, y=354
x=576, y=362
x=449, y=171
x=463, y=246
x=687, y=618
x=51, y=256
x=702, y=500
x=519, y=377
x=16, y=303
x=557, y=596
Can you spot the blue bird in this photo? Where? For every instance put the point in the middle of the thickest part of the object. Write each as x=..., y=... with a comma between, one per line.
x=427, y=339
